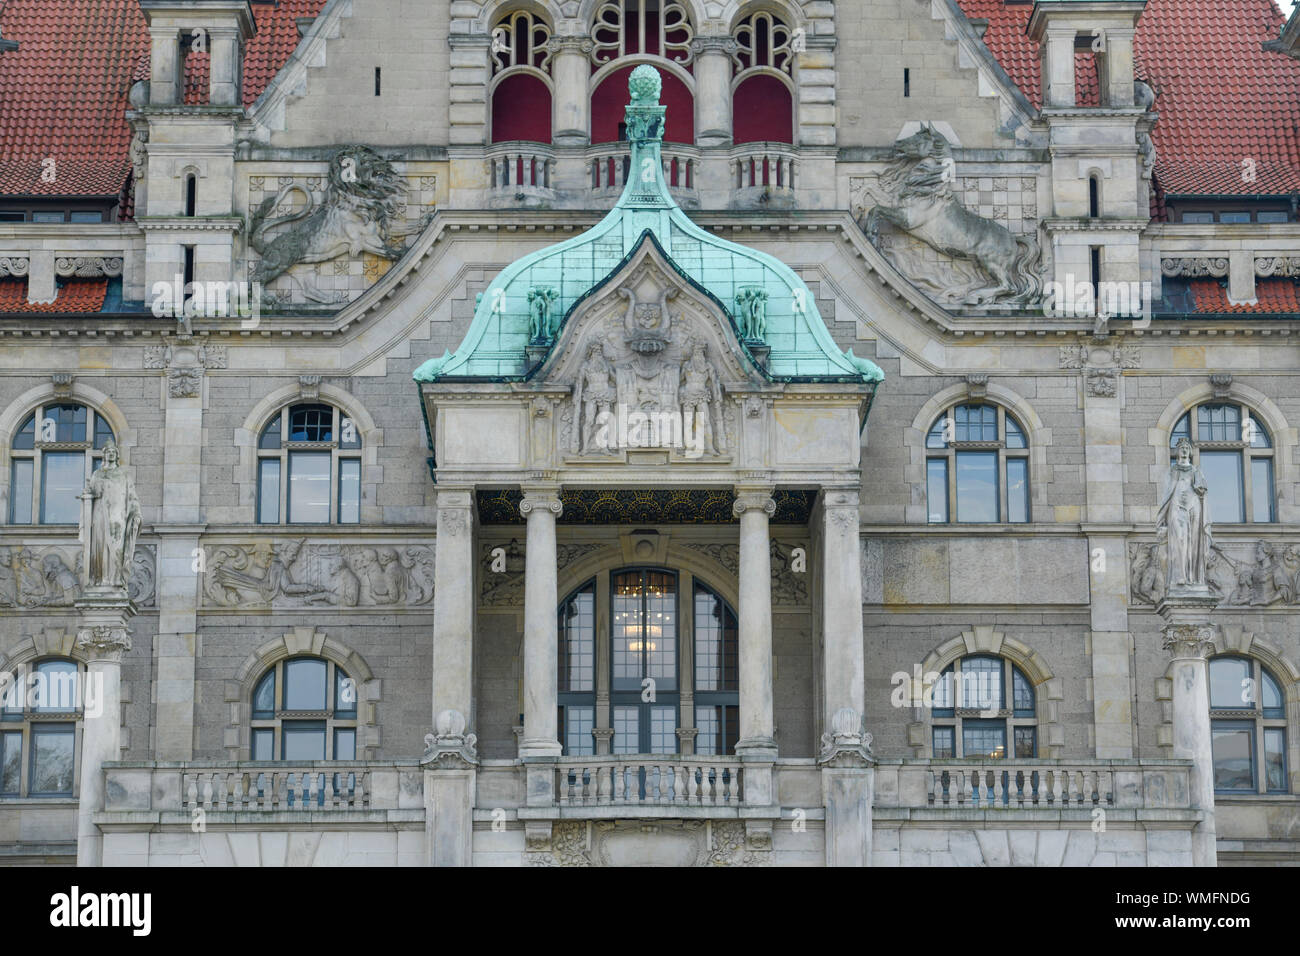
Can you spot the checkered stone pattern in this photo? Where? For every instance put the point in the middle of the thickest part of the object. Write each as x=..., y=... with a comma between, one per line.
x=1009, y=200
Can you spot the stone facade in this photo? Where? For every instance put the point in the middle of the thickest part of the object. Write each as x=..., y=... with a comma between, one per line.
x=429, y=601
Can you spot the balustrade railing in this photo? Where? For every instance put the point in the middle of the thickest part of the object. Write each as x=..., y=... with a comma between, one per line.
x=1013, y=787
x=648, y=781
x=292, y=788
x=516, y=166
x=609, y=165
x=763, y=164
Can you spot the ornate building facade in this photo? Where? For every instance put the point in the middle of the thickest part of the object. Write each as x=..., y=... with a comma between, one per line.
x=674, y=432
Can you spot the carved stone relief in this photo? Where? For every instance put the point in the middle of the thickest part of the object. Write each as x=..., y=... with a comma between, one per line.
x=300, y=573
x=788, y=586
x=1240, y=574
x=648, y=842
x=50, y=576
x=505, y=588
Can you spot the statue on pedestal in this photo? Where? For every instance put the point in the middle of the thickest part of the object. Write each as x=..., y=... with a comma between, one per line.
x=110, y=523
x=1183, y=524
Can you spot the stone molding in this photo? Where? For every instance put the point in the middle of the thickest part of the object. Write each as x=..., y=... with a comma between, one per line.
x=1194, y=266
x=87, y=267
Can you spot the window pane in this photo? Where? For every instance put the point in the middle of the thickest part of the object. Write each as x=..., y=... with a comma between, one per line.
x=577, y=642
x=708, y=721
x=1231, y=685
x=349, y=437
x=52, y=760
x=20, y=491
x=1017, y=489
x=716, y=649
x=25, y=439
x=55, y=686
x=984, y=738
x=311, y=423
x=1271, y=696
x=47, y=217
x=981, y=684
x=1198, y=217
x=1223, y=475
x=1275, y=759
x=304, y=685
x=1015, y=437
x=1218, y=423
x=303, y=740
x=268, y=491
x=661, y=631
x=103, y=433
x=936, y=490
x=935, y=438
x=627, y=631
x=264, y=696
x=85, y=216
x=1026, y=742
x=627, y=736
x=70, y=421
x=309, y=487
x=1233, y=759
x=262, y=741
x=345, y=694
x=270, y=434
x=1239, y=216
x=578, y=723
x=1254, y=432
x=1271, y=216
x=943, y=742
x=11, y=762
x=63, y=479
x=1261, y=489
x=977, y=486
x=1023, y=694
x=942, y=700
x=1182, y=430
x=11, y=702
x=349, y=491
x=345, y=744
x=663, y=730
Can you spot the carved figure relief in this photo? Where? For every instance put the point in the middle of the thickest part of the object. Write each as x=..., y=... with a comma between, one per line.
x=1183, y=524
x=301, y=574
x=1258, y=574
x=543, y=323
x=788, y=586
x=51, y=576
x=114, y=522
x=751, y=313
x=915, y=195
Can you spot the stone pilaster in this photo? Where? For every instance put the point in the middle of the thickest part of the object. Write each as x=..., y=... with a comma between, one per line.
x=540, y=509
x=467, y=82
x=102, y=638
x=453, y=609
x=1189, y=639
x=757, y=743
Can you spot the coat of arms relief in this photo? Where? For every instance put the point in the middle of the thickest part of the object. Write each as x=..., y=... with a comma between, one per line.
x=649, y=364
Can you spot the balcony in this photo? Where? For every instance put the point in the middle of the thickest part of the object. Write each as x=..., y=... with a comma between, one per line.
x=607, y=167
x=649, y=781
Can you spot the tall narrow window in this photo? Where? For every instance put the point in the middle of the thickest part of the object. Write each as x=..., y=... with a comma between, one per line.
x=577, y=671
x=763, y=88
x=1248, y=727
x=520, y=88
x=643, y=688
x=53, y=454
x=191, y=194
x=308, y=467
x=977, y=467
x=40, y=730
x=1094, y=197
x=717, y=675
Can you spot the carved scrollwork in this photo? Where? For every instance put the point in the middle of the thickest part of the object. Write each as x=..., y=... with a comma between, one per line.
x=1194, y=267
x=14, y=266
x=1267, y=266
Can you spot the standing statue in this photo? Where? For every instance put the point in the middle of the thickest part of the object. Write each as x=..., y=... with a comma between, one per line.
x=110, y=523
x=700, y=390
x=593, y=398
x=542, y=323
x=751, y=310
x=1183, y=524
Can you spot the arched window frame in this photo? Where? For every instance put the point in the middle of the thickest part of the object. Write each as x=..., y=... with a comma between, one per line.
x=28, y=720
x=1258, y=710
x=611, y=32
x=508, y=54
x=337, y=722
x=1016, y=711
x=949, y=438
x=1252, y=444
x=769, y=54
x=31, y=455
x=276, y=461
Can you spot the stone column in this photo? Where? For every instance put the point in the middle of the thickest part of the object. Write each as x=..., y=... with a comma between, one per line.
x=225, y=77
x=754, y=507
x=1189, y=639
x=540, y=508
x=1060, y=67
x=848, y=775
x=102, y=638
x=713, y=89
x=571, y=102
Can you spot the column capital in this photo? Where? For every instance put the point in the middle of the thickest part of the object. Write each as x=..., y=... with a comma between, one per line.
x=580, y=45
x=103, y=642
x=547, y=499
x=1189, y=641
x=714, y=45
x=753, y=499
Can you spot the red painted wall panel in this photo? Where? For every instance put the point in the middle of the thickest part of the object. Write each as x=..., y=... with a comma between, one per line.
x=521, y=109
x=610, y=99
x=762, y=111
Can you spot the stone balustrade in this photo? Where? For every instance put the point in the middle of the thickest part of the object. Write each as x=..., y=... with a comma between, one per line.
x=763, y=165
x=641, y=781
x=1241, y=253
x=607, y=166
x=527, y=168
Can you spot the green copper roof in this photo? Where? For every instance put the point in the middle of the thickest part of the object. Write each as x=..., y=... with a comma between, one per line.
x=494, y=347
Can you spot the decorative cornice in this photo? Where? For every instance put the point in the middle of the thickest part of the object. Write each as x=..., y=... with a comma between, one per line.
x=88, y=267
x=14, y=266
x=1277, y=266
x=1193, y=266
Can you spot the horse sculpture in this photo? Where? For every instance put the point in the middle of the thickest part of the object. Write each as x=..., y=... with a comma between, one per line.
x=920, y=184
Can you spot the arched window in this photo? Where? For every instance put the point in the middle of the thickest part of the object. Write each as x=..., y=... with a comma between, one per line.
x=41, y=707
x=641, y=667
x=521, y=98
x=977, y=466
x=304, y=708
x=308, y=456
x=54, y=453
x=984, y=705
x=762, y=97
x=1234, y=450
x=609, y=99
x=1247, y=727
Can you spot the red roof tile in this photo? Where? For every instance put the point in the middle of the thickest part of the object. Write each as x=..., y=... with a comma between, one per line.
x=1222, y=99
x=1273, y=295
x=63, y=92
x=77, y=295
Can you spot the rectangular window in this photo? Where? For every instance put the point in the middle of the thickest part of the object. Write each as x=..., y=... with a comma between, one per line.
x=1018, y=489
x=984, y=738
x=345, y=695
x=47, y=217
x=304, y=685
x=708, y=721
x=1261, y=489
x=11, y=763
x=663, y=730
x=977, y=486
x=309, y=487
x=262, y=742
x=85, y=216
x=63, y=479
x=1198, y=217
x=627, y=731
x=936, y=490
x=303, y=740
x=1239, y=216
x=1223, y=475
x=576, y=723
x=20, y=491
x=1275, y=760
x=53, y=747
x=345, y=744
x=349, y=491
x=268, y=491
x=1233, y=746
x=1026, y=742
x=943, y=742
x=577, y=643
x=1271, y=216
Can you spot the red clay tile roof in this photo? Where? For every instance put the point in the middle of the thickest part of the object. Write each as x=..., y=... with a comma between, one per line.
x=1274, y=295
x=1222, y=99
x=63, y=92
x=77, y=295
